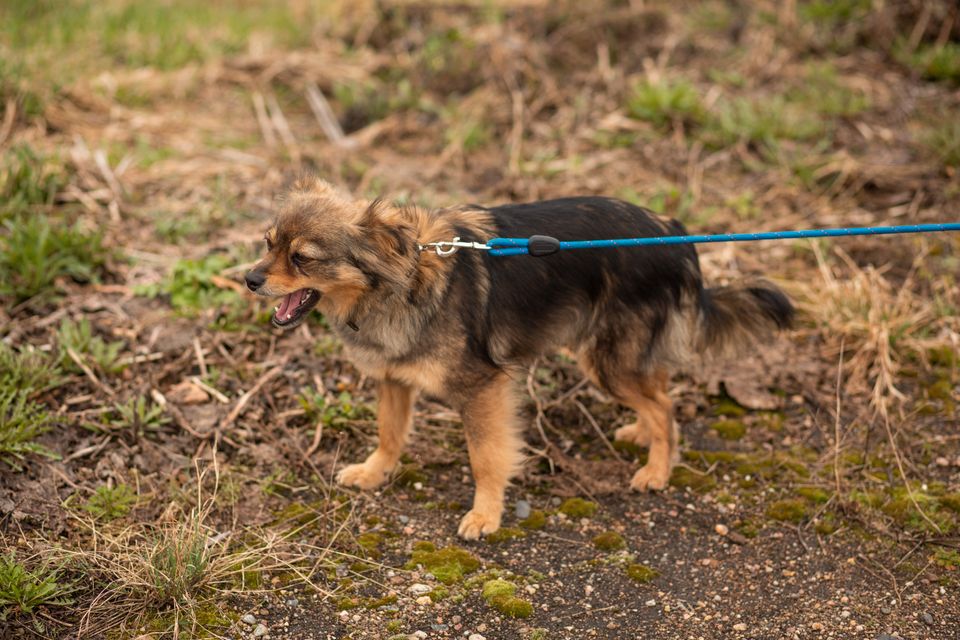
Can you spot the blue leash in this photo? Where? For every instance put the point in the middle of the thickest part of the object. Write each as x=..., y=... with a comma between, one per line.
x=539, y=246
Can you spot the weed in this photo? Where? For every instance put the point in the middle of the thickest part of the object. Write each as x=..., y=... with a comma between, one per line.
x=27, y=370
x=21, y=422
x=666, y=102
x=337, y=413
x=28, y=179
x=22, y=591
x=37, y=251
x=139, y=415
x=823, y=92
x=79, y=337
x=109, y=503
x=761, y=123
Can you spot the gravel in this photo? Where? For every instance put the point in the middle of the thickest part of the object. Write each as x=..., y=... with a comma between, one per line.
x=249, y=619
x=522, y=509
x=260, y=631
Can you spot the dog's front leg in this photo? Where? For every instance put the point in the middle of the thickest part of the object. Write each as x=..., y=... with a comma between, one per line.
x=394, y=419
x=494, y=445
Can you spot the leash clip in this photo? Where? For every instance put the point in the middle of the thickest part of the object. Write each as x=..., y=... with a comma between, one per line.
x=446, y=248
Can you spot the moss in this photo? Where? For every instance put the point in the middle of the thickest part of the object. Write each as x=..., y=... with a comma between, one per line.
x=950, y=501
x=369, y=542
x=814, y=494
x=499, y=594
x=641, y=572
x=346, y=603
x=395, y=625
x=630, y=448
x=730, y=429
x=791, y=510
x=505, y=533
x=424, y=545
x=448, y=565
x=578, y=508
x=942, y=389
x=700, y=482
x=772, y=421
x=728, y=407
x=536, y=520
x=826, y=525
x=376, y=603
x=747, y=528
x=945, y=356
x=712, y=457
x=410, y=474
x=439, y=593
x=947, y=558
x=609, y=541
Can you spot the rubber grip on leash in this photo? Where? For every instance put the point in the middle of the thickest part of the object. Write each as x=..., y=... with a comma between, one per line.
x=539, y=246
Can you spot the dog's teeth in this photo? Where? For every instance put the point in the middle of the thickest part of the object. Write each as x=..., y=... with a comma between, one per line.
x=276, y=308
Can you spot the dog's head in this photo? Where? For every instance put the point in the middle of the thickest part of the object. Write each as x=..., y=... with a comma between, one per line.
x=323, y=244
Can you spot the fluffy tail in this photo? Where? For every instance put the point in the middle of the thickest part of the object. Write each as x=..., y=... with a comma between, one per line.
x=736, y=316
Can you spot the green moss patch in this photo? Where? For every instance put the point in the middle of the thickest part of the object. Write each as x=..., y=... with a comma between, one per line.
x=505, y=533
x=730, y=429
x=609, y=541
x=641, y=572
x=536, y=520
x=792, y=510
x=683, y=478
x=499, y=594
x=728, y=407
x=409, y=475
x=448, y=565
x=814, y=494
x=578, y=508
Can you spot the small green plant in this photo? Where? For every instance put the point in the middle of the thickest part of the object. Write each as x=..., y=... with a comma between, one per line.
x=79, y=338
x=822, y=91
x=762, y=123
x=337, y=413
x=27, y=370
x=109, y=503
x=939, y=63
x=943, y=140
x=37, y=251
x=21, y=422
x=666, y=102
x=22, y=591
x=27, y=179
x=139, y=415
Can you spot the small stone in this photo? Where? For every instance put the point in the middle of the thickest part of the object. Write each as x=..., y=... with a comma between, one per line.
x=419, y=634
x=260, y=631
x=737, y=538
x=740, y=626
x=418, y=589
x=522, y=509
x=651, y=603
x=885, y=610
x=249, y=619
x=927, y=618
x=721, y=529
x=476, y=636
x=403, y=519
x=293, y=602
x=424, y=600
x=418, y=486
x=817, y=626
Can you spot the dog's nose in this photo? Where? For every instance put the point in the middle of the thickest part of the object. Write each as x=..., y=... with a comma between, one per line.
x=255, y=280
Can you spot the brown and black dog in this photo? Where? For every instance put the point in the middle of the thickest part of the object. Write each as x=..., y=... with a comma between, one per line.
x=463, y=327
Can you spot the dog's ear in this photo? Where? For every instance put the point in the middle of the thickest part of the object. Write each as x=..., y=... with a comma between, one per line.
x=386, y=229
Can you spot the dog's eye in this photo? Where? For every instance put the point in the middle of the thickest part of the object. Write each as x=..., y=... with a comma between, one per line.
x=269, y=244
x=299, y=259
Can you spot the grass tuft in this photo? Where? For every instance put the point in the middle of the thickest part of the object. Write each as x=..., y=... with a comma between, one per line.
x=21, y=422
x=23, y=591
x=79, y=337
x=110, y=503
x=666, y=102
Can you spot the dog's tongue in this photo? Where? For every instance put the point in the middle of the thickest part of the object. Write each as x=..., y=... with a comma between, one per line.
x=290, y=302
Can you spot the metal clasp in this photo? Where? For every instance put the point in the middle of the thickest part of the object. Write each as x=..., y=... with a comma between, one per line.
x=446, y=248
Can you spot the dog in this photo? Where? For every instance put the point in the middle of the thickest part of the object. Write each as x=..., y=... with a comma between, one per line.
x=463, y=327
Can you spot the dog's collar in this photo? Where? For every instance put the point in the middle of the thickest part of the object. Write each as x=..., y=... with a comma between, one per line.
x=446, y=248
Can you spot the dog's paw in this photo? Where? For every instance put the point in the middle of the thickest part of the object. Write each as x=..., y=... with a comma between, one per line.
x=477, y=523
x=650, y=478
x=362, y=476
x=636, y=433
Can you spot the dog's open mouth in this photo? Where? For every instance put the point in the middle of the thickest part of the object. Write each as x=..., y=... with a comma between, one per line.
x=294, y=307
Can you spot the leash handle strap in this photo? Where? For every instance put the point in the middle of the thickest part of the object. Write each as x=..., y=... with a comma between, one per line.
x=539, y=246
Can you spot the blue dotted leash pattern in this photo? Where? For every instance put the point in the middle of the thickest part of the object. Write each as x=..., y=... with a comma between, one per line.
x=546, y=245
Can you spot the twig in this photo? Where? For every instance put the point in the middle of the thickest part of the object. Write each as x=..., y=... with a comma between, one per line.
x=318, y=434
x=283, y=128
x=200, y=361
x=260, y=107
x=245, y=398
x=86, y=370
x=325, y=116
x=211, y=390
x=9, y=115
x=596, y=427
x=836, y=424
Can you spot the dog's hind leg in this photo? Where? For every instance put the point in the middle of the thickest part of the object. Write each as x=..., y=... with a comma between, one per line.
x=647, y=395
x=394, y=419
x=495, y=446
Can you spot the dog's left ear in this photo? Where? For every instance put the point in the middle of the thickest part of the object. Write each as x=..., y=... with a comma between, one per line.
x=389, y=233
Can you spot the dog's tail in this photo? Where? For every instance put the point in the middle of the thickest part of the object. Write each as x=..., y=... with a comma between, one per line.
x=736, y=316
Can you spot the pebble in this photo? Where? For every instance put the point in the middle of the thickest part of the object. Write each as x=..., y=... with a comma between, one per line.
x=419, y=634
x=260, y=631
x=292, y=602
x=249, y=619
x=651, y=603
x=476, y=636
x=522, y=510
x=418, y=589
x=737, y=538
x=403, y=519
x=722, y=529
x=740, y=626
x=424, y=600
x=927, y=618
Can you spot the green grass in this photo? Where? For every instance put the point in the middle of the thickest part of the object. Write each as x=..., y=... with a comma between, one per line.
x=28, y=178
x=137, y=415
x=109, y=503
x=932, y=62
x=822, y=91
x=337, y=413
x=21, y=422
x=23, y=591
x=27, y=370
x=942, y=141
x=762, y=123
x=98, y=353
x=127, y=33
x=666, y=102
